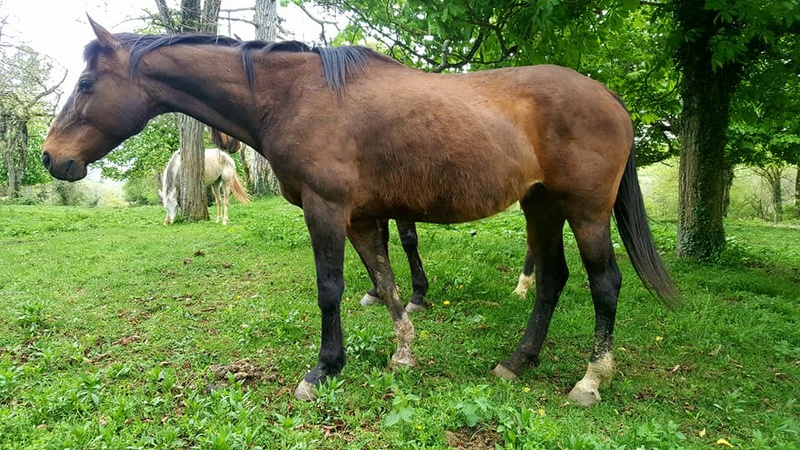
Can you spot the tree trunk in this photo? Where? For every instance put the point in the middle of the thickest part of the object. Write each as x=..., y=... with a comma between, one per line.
x=13, y=187
x=14, y=140
x=193, y=199
x=772, y=175
x=266, y=23
x=726, y=196
x=797, y=190
x=706, y=95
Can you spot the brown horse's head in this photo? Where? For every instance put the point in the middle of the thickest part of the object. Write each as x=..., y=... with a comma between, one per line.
x=104, y=109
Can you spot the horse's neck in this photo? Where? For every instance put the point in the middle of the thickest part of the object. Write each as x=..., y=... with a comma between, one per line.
x=171, y=172
x=208, y=83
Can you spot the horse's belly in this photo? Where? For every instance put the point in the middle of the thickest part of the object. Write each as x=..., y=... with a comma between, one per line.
x=444, y=200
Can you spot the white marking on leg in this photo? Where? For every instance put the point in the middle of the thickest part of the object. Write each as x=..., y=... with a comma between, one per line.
x=587, y=391
x=370, y=300
x=404, y=334
x=525, y=283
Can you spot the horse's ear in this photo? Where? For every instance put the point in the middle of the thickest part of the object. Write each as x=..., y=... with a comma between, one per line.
x=104, y=38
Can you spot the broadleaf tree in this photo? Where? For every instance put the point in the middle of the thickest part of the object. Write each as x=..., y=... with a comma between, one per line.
x=27, y=101
x=717, y=45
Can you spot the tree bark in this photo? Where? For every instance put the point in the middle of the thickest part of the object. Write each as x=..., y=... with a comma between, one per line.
x=14, y=139
x=266, y=23
x=706, y=95
x=193, y=199
x=726, y=195
x=797, y=189
x=772, y=174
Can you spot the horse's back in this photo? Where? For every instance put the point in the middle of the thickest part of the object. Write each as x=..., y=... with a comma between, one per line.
x=445, y=147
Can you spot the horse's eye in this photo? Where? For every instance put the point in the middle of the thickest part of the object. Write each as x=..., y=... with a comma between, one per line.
x=85, y=84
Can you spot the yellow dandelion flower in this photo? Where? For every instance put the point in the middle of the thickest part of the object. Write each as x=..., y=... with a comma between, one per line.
x=446, y=303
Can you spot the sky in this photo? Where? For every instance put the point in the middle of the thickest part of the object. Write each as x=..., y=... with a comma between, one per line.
x=60, y=29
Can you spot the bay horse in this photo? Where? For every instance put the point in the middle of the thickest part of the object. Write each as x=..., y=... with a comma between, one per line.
x=356, y=138
x=219, y=173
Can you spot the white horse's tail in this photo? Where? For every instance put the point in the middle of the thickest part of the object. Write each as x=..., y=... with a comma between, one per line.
x=239, y=192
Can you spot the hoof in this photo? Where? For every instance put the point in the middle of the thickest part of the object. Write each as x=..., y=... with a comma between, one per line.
x=504, y=372
x=305, y=391
x=370, y=300
x=414, y=307
x=584, y=395
x=398, y=361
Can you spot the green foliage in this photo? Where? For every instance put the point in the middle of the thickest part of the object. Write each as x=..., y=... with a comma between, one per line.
x=26, y=104
x=68, y=194
x=141, y=191
x=474, y=406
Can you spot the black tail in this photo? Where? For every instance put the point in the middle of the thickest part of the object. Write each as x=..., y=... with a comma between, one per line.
x=635, y=232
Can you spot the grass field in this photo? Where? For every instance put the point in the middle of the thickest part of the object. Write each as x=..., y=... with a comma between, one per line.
x=113, y=330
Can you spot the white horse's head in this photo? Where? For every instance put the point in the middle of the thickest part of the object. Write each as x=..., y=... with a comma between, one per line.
x=169, y=199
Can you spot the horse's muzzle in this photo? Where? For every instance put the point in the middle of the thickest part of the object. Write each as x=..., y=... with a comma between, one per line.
x=69, y=169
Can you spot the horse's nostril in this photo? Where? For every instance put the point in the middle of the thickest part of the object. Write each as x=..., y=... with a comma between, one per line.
x=46, y=160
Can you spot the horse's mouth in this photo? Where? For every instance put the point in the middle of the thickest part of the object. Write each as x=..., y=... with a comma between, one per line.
x=69, y=169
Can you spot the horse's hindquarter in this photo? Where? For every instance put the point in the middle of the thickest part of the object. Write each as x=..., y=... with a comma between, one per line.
x=581, y=133
x=218, y=166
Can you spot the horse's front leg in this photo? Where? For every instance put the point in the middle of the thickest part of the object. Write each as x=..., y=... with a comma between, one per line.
x=326, y=226
x=369, y=239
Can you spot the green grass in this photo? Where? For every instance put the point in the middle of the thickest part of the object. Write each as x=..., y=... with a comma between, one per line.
x=110, y=325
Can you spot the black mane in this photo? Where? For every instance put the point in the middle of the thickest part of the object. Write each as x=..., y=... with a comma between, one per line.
x=337, y=62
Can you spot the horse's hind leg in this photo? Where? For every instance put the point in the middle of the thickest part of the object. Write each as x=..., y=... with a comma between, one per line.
x=369, y=239
x=225, y=193
x=410, y=241
x=372, y=297
x=597, y=252
x=215, y=190
x=419, y=281
x=545, y=225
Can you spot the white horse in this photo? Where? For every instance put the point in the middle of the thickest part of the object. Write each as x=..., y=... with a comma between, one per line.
x=220, y=174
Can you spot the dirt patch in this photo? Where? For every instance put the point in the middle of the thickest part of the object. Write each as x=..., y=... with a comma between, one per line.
x=472, y=439
x=243, y=371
